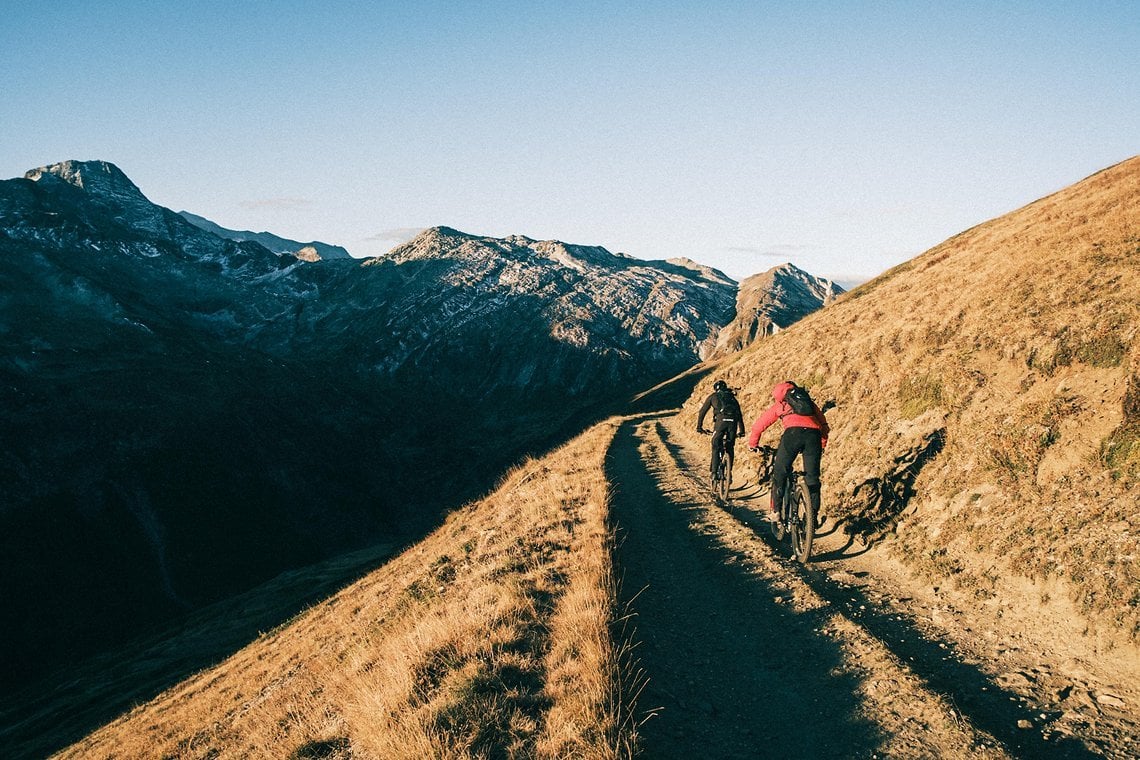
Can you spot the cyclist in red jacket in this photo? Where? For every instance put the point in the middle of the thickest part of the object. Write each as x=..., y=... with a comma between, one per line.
x=803, y=433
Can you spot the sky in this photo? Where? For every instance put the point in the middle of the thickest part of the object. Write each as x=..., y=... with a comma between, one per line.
x=844, y=137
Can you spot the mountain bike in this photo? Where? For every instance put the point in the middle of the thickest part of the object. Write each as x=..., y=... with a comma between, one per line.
x=795, y=516
x=721, y=477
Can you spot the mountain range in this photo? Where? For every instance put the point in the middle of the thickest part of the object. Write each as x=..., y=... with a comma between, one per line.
x=972, y=590
x=311, y=251
x=189, y=410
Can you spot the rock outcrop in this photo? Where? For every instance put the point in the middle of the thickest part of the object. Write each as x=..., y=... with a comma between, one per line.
x=772, y=301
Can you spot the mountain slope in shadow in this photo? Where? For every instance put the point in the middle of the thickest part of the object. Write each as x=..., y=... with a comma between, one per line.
x=185, y=415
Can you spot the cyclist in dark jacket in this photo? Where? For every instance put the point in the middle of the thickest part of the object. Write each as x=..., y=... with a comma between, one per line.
x=806, y=433
x=728, y=422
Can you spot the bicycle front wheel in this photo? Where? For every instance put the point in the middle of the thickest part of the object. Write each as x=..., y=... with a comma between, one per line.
x=803, y=522
x=778, y=525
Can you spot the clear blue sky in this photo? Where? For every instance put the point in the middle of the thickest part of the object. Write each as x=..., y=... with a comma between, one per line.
x=844, y=137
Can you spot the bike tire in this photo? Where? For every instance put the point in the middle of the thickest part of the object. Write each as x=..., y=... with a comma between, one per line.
x=725, y=482
x=803, y=522
x=778, y=529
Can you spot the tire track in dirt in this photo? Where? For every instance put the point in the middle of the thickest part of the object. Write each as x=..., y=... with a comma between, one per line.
x=749, y=654
x=727, y=669
x=1022, y=672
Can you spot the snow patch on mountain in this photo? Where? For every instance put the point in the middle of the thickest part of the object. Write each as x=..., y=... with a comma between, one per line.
x=594, y=298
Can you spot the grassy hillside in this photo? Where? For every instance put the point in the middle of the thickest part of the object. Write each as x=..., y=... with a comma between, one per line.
x=996, y=379
x=493, y=634
x=986, y=434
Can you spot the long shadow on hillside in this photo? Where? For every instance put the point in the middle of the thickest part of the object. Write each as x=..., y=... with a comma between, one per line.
x=979, y=698
x=976, y=696
x=69, y=704
x=729, y=669
x=670, y=394
x=61, y=708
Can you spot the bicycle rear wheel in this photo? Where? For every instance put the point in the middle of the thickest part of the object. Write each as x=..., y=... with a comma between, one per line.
x=725, y=481
x=803, y=522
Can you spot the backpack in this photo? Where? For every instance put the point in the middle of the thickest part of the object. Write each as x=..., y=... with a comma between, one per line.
x=725, y=405
x=800, y=402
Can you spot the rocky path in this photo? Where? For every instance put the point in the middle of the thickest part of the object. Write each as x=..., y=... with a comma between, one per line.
x=749, y=654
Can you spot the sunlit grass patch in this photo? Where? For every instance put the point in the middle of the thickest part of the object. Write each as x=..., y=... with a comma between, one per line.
x=918, y=394
x=1120, y=451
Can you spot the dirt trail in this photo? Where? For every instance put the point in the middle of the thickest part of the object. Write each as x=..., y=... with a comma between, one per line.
x=749, y=654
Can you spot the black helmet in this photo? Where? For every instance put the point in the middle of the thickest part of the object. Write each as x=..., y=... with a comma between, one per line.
x=720, y=385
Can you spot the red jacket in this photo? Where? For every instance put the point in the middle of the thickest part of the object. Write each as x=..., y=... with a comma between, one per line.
x=781, y=411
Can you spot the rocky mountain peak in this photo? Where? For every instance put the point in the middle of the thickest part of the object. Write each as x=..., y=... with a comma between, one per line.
x=446, y=243
x=772, y=301
x=792, y=281
x=593, y=297
x=432, y=243
x=99, y=178
x=106, y=188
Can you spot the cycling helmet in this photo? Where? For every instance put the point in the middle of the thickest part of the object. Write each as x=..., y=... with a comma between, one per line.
x=720, y=385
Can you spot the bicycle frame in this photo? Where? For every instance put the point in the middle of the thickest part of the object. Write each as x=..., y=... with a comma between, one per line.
x=796, y=517
x=721, y=478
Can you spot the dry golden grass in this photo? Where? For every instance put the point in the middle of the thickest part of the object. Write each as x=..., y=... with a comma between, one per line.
x=1014, y=343
x=490, y=638
x=1018, y=340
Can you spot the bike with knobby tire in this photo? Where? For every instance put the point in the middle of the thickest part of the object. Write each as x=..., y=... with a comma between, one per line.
x=721, y=477
x=795, y=517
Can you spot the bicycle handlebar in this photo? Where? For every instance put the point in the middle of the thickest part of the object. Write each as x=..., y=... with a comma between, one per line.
x=767, y=462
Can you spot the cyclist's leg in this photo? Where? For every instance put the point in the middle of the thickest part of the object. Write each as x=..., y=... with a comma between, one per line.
x=813, y=453
x=717, y=446
x=781, y=466
x=730, y=444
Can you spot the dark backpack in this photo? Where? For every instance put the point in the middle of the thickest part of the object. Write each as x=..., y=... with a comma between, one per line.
x=725, y=405
x=800, y=402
